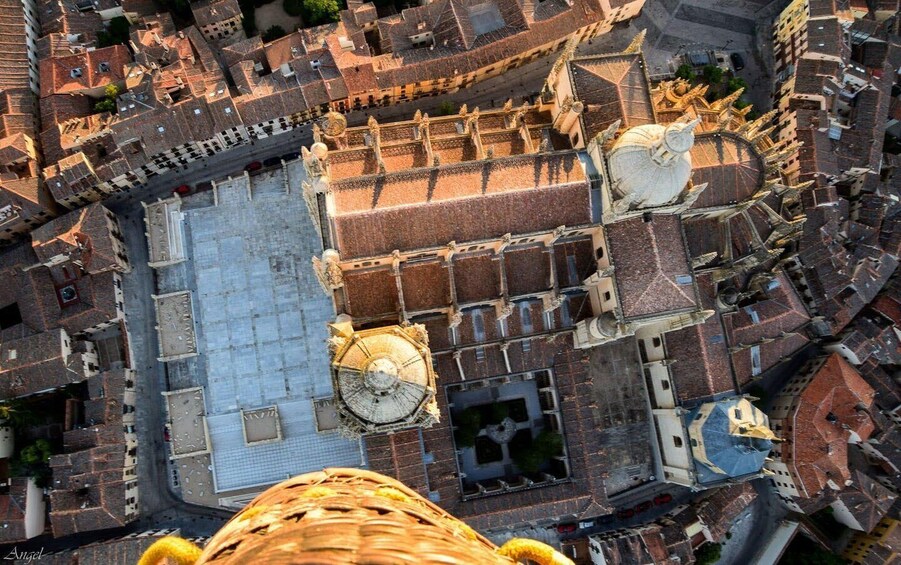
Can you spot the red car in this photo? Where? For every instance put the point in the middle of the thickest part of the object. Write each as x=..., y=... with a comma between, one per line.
x=625, y=514
x=183, y=189
x=253, y=166
x=644, y=506
x=662, y=499
x=166, y=436
x=566, y=528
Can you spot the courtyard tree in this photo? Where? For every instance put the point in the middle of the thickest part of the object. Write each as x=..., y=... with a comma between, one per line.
x=469, y=423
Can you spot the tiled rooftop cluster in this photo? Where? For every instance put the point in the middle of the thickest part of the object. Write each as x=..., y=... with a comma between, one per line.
x=833, y=453
x=23, y=201
x=836, y=77
x=678, y=535
x=176, y=105
x=94, y=485
x=60, y=292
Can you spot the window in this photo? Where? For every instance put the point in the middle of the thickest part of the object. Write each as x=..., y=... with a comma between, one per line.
x=677, y=441
x=656, y=341
x=664, y=384
x=606, y=296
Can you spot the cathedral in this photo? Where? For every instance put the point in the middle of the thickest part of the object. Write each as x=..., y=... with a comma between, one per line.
x=507, y=252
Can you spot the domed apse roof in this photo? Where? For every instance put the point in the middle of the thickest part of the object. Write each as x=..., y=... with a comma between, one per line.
x=651, y=164
x=732, y=440
x=383, y=378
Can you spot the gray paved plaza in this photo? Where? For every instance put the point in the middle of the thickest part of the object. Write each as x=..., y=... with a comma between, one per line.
x=261, y=318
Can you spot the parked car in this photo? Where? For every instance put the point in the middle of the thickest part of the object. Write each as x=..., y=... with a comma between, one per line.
x=662, y=499
x=643, y=506
x=291, y=156
x=625, y=514
x=272, y=161
x=738, y=62
x=566, y=528
x=182, y=189
x=253, y=166
x=166, y=436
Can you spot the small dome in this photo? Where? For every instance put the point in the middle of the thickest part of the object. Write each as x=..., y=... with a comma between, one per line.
x=334, y=124
x=383, y=377
x=651, y=164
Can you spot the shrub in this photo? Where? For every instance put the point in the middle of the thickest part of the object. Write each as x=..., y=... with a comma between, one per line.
x=499, y=411
x=274, y=33
x=549, y=444
x=36, y=453
x=447, y=108
x=529, y=459
x=469, y=423
x=685, y=71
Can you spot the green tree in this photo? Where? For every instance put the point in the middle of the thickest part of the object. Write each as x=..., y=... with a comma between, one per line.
x=273, y=33
x=293, y=7
x=105, y=105
x=36, y=453
x=316, y=12
x=16, y=414
x=741, y=104
x=708, y=554
x=685, y=71
x=116, y=32
x=111, y=91
x=735, y=84
x=712, y=74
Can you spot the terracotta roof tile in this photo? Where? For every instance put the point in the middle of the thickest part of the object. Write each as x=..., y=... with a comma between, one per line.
x=730, y=165
x=648, y=257
x=612, y=87
x=818, y=445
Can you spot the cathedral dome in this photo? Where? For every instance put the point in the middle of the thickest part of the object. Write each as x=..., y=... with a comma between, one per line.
x=650, y=165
